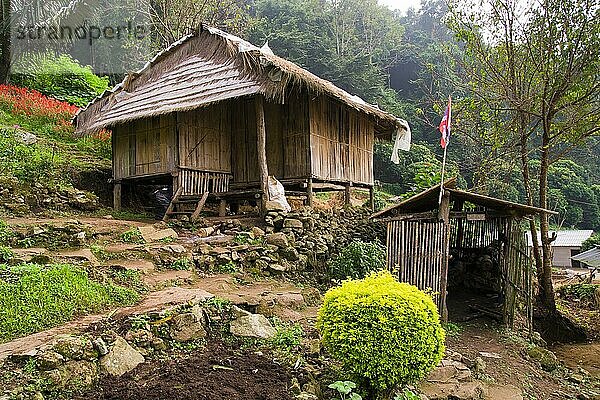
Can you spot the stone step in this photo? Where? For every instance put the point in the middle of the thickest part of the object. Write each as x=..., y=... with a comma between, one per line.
x=141, y=265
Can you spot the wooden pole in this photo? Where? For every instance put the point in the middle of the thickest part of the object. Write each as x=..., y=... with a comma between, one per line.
x=261, y=136
x=444, y=215
x=309, y=192
x=372, y=198
x=117, y=196
x=347, y=194
x=442, y=177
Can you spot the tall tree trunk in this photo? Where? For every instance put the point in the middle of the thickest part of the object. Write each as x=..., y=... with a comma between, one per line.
x=546, y=290
x=5, y=51
x=537, y=256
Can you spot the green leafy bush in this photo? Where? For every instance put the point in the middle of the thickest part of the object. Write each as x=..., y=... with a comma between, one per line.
x=384, y=332
x=591, y=242
x=357, y=260
x=61, y=77
x=33, y=297
x=6, y=254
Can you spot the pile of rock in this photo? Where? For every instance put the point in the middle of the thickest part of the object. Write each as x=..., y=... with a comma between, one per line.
x=67, y=196
x=273, y=253
x=70, y=233
x=11, y=197
x=453, y=379
x=293, y=241
x=75, y=362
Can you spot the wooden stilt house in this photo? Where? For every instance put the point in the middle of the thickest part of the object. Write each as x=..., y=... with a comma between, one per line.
x=470, y=251
x=214, y=116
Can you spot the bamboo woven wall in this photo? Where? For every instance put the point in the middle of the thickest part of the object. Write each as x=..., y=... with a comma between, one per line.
x=287, y=139
x=416, y=254
x=144, y=147
x=205, y=138
x=341, y=142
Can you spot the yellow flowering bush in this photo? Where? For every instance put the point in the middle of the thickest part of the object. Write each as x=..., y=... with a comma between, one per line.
x=385, y=333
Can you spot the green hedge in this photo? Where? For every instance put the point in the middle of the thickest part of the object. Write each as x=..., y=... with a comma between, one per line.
x=384, y=332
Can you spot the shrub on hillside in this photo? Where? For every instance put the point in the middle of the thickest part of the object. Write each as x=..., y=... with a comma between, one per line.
x=384, y=332
x=591, y=242
x=357, y=260
x=61, y=77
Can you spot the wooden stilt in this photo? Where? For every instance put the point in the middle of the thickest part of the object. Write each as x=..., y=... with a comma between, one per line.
x=199, y=207
x=261, y=136
x=222, y=208
x=372, y=198
x=117, y=196
x=347, y=194
x=309, y=192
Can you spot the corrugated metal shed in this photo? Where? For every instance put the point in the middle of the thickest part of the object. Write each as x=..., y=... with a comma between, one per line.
x=590, y=257
x=571, y=238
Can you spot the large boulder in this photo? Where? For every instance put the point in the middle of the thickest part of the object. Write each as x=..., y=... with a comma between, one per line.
x=74, y=347
x=121, y=358
x=253, y=325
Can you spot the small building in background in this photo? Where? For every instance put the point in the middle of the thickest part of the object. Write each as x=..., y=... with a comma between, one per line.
x=567, y=244
x=589, y=258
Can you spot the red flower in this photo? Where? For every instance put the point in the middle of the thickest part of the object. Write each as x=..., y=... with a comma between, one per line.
x=32, y=103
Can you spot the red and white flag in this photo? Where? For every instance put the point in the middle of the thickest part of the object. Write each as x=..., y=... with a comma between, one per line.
x=445, y=125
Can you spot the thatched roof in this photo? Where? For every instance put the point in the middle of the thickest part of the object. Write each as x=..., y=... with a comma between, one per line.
x=427, y=200
x=206, y=68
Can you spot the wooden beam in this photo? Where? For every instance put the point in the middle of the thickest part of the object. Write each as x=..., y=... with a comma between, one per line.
x=444, y=215
x=261, y=138
x=309, y=192
x=117, y=196
x=199, y=207
x=444, y=210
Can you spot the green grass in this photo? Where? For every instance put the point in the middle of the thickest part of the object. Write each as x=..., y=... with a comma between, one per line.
x=34, y=298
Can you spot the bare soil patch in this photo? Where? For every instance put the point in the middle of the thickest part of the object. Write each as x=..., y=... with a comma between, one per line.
x=215, y=373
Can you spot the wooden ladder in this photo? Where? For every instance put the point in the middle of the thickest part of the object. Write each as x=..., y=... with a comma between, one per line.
x=179, y=206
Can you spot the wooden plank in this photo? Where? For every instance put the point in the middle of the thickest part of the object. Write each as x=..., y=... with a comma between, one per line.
x=199, y=207
x=117, y=197
x=261, y=142
x=172, y=203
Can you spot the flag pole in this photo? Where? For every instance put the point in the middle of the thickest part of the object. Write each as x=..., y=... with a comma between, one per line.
x=442, y=180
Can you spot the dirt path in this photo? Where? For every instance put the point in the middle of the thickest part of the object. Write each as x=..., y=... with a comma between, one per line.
x=505, y=363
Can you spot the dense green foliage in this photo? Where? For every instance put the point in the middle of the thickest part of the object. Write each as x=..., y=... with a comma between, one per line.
x=586, y=293
x=418, y=169
x=357, y=260
x=34, y=297
x=591, y=242
x=384, y=332
x=351, y=43
x=61, y=77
